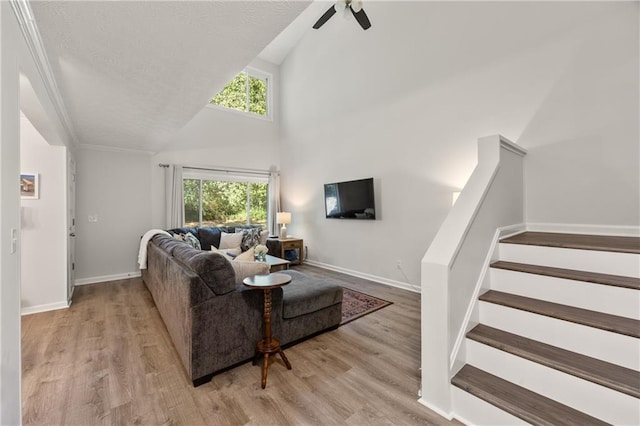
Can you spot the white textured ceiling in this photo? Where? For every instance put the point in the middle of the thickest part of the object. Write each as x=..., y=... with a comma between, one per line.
x=279, y=48
x=131, y=74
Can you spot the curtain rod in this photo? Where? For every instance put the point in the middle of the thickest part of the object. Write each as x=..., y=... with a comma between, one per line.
x=213, y=169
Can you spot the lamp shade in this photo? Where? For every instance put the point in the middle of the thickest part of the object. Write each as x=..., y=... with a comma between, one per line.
x=283, y=218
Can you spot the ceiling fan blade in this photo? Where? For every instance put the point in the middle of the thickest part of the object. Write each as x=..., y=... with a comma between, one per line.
x=324, y=18
x=362, y=19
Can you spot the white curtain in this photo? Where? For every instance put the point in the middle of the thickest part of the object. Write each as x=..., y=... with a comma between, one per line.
x=274, y=201
x=174, y=197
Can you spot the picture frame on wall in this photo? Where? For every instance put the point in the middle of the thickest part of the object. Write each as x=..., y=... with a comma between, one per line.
x=29, y=186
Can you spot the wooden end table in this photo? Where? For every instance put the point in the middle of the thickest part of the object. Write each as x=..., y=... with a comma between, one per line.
x=279, y=247
x=269, y=345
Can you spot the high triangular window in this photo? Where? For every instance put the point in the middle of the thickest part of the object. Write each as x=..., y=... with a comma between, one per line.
x=247, y=92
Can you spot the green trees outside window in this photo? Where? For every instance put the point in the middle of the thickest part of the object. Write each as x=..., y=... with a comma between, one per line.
x=246, y=92
x=224, y=203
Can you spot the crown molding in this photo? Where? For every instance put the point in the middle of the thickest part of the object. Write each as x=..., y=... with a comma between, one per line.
x=31, y=35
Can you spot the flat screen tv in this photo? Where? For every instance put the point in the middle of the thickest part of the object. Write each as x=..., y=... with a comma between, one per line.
x=350, y=200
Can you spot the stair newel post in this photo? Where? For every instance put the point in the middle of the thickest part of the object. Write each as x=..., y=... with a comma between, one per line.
x=454, y=266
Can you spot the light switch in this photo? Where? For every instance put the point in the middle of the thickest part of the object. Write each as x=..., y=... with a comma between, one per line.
x=14, y=241
x=93, y=218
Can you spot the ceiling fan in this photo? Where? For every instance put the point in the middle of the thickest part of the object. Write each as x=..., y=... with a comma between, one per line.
x=356, y=8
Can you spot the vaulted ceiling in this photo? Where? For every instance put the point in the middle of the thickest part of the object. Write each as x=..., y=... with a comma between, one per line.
x=132, y=73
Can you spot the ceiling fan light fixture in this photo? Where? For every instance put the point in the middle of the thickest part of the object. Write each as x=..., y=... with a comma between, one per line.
x=356, y=5
x=341, y=6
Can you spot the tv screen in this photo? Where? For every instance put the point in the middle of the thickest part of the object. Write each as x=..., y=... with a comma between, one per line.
x=350, y=200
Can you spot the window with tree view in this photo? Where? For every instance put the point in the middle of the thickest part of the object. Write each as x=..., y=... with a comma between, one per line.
x=247, y=92
x=224, y=203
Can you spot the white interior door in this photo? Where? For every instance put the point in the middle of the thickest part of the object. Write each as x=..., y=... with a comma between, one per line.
x=71, y=225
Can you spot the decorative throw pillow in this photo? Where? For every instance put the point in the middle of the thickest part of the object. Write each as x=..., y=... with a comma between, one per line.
x=264, y=234
x=192, y=240
x=246, y=269
x=247, y=255
x=250, y=237
x=230, y=241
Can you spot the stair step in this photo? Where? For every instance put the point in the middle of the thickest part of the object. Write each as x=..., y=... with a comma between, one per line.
x=577, y=241
x=613, y=323
x=509, y=277
x=615, y=348
x=522, y=403
x=571, y=274
x=613, y=376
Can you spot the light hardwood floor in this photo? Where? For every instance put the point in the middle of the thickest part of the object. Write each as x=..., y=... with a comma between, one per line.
x=108, y=359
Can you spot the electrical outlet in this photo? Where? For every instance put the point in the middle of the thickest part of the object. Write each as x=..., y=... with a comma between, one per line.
x=93, y=218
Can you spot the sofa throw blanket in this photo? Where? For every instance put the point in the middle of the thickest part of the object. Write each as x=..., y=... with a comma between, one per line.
x=142, y=253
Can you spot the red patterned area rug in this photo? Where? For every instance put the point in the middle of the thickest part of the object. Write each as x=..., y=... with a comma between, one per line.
x=356, y=305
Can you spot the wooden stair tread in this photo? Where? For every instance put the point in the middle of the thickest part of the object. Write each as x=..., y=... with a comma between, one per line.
x=613, y=376
x=571, y=274
x=613, y=323
x=518, y=401
x=577, y=241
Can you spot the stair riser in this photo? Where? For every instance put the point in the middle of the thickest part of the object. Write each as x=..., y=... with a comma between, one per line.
x=590, y=398
x=624, y=264
x=607, y=346
x=475, y=411
x=596, y=297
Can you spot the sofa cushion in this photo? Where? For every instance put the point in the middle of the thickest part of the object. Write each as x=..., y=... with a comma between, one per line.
x=175, y=231
x=306, y=294
x=213, y=268
x=167, y=243
x=209, y=236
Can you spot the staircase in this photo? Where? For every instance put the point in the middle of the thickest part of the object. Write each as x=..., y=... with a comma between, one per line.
x=559, y=335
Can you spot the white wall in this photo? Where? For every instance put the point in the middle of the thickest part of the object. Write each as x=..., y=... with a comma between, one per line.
x=223, y=138
x=9, y=219
x=115, y=186
x=221, y=128
x=126, y=189
x=406, y=100
x=14, y=59
x=43, y=224
x=584, y=138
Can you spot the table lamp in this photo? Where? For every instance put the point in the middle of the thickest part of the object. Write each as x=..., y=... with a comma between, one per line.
x=283, y=218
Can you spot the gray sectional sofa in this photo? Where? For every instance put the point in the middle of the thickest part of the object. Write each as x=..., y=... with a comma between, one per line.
x=215, y=322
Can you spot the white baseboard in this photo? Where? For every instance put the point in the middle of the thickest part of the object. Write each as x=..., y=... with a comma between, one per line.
x=105, y=278
x=374, y=278
x=576, y=228
x=448, y=416
x=509, y=231
x=28, y=310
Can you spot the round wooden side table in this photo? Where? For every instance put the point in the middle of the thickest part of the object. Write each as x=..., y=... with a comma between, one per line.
x=269, y=345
